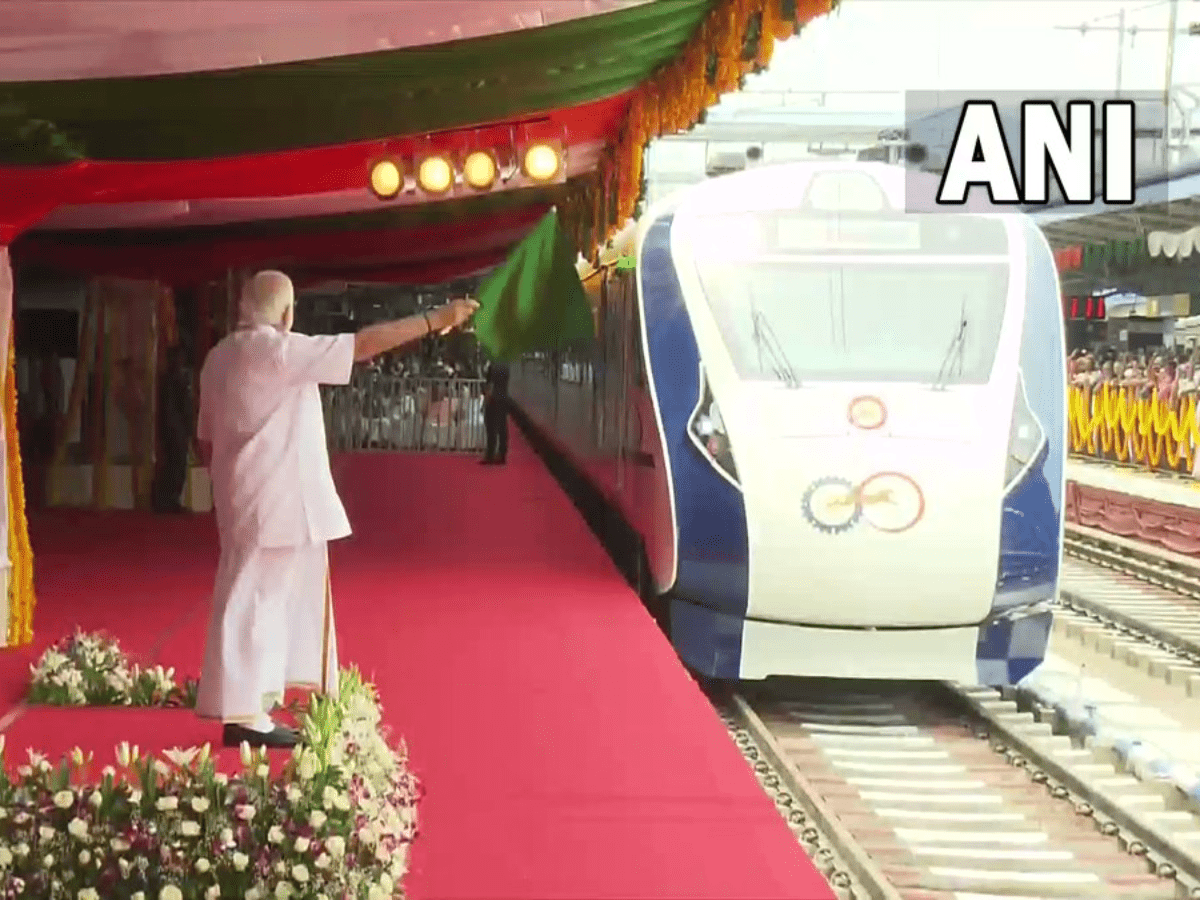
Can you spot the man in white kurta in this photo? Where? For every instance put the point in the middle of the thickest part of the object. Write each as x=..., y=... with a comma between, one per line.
x=261, y=425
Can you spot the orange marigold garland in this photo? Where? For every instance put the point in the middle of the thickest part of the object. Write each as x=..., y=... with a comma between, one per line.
x=21, y=600
x=713, y=63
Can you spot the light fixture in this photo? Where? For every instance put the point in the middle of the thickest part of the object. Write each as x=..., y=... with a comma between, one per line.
x=542, y=161
x=386, y=179
x=435, y=174
x=480, y=169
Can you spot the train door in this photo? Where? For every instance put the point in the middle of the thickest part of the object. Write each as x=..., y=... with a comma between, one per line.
x=625, y=311
x=600, y=375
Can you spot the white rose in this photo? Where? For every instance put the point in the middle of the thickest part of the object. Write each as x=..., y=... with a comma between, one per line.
x=84, y=857
x=342, y=802
x=77, y=828
x=263, y=771
x=45, y=832
x=375, y=892
x=308, y=766
x=336, y=846
x=188, y=828
x=213, y=893
x=227, y=837
x=166, y=803
x=240, y=861
x=301, y=844
x=245, y=812
x=283, y=890
x=170, y=892
x=64, y=799
x=328, y=797
x=253, y=894
x=317, y=819
x=200, y=804
x=322, y=861
x=88, y=894
x=96, y=799
x=6, y=857
x=203, y=865
x=275, y=835
x=138, y=896
x=300, y=873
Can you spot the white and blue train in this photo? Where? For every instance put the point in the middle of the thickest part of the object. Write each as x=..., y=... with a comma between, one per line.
x=837, y=427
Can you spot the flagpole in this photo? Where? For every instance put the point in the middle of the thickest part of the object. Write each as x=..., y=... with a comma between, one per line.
x=325, y=687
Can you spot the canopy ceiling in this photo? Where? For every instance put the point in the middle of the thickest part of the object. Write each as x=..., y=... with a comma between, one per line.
x=175, y=140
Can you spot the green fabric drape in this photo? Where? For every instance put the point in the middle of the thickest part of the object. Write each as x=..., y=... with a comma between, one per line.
x=535, y=300
x=360, y=97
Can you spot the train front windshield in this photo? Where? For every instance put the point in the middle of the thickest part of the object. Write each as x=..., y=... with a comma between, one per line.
x=921, y=299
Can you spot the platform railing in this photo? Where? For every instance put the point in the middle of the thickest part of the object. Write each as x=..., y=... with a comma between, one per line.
x=397, y=412
x=1119, y=425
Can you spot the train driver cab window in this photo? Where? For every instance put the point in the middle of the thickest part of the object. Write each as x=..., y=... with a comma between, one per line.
x=856, y=312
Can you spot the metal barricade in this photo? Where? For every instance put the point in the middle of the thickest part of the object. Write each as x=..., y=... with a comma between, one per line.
x=396, y=412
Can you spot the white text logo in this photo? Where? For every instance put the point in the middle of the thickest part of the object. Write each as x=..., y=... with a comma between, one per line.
x=1050, y=148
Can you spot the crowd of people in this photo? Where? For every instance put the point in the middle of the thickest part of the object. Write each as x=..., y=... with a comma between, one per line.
x=1170, y=373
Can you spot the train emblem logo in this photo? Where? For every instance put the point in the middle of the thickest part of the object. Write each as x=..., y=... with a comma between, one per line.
x=889, y=502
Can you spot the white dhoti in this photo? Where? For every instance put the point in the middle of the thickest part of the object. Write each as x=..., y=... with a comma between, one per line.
x=271, y=628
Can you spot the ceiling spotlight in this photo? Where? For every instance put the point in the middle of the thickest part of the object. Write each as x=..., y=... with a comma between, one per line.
x=435, y=174
x=542, y=162
x=480, y=170
x=386, y=179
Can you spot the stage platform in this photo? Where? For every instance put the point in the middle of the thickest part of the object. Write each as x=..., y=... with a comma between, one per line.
x=1155, y=508
x=566, y=753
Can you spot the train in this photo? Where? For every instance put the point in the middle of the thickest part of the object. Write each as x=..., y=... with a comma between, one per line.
x=834, y=424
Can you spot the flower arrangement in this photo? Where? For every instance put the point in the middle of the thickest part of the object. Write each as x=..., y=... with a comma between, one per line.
x=92, y=670
x=336, y=821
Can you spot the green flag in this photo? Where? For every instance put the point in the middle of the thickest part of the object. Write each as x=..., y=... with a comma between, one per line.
x=535, y=300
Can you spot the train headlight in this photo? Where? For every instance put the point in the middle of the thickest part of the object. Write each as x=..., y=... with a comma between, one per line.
x=709, y=435
x=1025, y=438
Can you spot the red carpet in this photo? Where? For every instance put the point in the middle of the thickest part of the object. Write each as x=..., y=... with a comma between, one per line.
x=565, y=752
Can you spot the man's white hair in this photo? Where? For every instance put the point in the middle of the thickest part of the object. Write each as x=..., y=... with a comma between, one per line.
x=266, y=299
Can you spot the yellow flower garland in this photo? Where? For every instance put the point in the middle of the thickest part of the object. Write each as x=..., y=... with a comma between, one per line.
x=672, y=100
x=1114, y=424
x=21, y=600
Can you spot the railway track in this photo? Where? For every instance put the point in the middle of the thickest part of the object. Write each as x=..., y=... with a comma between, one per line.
x=1145, y=597
x=943, y=792
x=938, y=792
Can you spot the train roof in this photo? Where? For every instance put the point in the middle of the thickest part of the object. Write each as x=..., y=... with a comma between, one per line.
x=785, y=186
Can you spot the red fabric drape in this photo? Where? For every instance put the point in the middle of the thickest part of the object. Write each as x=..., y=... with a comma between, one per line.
x=28, y=192
x=417, y=251
x=1175, y=527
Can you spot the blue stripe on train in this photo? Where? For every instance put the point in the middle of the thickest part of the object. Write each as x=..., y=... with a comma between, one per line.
x=713, y=544
x=1014, y=644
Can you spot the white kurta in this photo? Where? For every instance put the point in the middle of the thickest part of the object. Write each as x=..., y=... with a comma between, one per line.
x=276, y=504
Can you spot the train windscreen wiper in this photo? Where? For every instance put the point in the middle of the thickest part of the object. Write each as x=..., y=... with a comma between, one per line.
x=765, y=340
x=955, y=352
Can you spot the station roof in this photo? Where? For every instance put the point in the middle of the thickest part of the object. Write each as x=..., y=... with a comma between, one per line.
x=158, y=139
x=1171, y=205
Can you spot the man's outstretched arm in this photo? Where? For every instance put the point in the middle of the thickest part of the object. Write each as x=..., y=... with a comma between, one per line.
x=384, y=336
